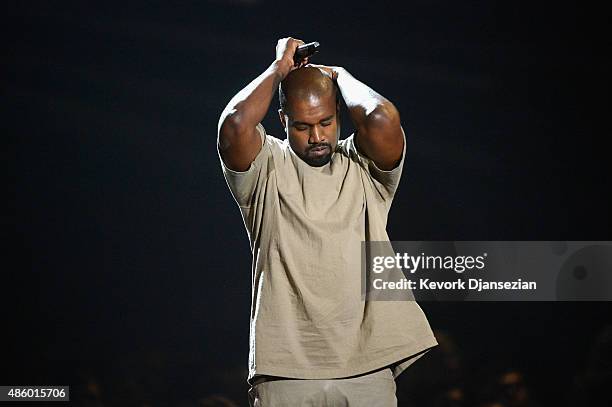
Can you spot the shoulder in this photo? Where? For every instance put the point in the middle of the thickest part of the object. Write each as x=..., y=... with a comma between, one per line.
x=274, y=144
x=385, y=182
x=347, y=148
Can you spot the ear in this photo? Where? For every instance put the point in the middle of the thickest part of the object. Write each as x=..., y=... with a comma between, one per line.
x=281, y=116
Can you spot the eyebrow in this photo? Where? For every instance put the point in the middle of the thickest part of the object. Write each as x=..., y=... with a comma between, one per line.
x=297, y=123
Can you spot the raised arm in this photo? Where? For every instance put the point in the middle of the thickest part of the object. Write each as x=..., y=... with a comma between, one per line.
x=238, y=140
x=377, y=121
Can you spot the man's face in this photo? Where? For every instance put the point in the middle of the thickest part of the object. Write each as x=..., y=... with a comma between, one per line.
x=311, y=124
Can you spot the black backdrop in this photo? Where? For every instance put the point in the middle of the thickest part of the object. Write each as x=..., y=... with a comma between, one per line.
x=124, y=239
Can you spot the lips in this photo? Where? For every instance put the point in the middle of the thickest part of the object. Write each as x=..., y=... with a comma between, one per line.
x=319, y=151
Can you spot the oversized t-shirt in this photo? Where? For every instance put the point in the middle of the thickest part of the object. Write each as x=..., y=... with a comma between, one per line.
x=306, y=226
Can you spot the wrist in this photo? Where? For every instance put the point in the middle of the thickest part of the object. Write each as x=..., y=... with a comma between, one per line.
x=282, y=67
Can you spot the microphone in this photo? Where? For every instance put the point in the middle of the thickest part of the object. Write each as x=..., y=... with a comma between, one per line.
x=305, y=51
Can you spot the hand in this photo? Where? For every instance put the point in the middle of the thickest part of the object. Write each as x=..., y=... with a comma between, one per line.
x=285, y=50
x=331, y=71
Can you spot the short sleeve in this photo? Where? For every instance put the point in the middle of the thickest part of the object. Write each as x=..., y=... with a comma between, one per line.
x=386, y=182
x=243, y=184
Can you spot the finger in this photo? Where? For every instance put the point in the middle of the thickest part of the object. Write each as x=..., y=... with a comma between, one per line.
x=296, y=43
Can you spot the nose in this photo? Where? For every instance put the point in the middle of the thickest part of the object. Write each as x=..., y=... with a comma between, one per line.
x=315, y=135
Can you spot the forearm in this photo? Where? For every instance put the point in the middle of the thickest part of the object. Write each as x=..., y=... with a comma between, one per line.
x=379, y=134
x=249, y=106
x=238, y=140
x=367, y=108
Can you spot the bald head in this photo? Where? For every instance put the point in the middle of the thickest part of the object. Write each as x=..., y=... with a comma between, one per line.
x=304, y=84
x=310, y=114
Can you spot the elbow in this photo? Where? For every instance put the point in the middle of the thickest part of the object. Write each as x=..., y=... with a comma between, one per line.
x=230, y=121
x=385, y=115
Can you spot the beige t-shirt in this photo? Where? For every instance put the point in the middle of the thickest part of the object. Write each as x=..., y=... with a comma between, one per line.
x=305, y=226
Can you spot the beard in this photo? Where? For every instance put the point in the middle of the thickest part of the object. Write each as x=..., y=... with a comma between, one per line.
x=318, y=160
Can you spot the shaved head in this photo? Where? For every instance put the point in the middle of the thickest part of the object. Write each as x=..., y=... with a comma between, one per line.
x=303, y=84
x=309, y=112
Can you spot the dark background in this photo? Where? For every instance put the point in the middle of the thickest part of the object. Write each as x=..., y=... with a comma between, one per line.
x=127, y=273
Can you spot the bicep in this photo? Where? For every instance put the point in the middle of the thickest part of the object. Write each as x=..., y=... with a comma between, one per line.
x=238, y=146
x=382, y=141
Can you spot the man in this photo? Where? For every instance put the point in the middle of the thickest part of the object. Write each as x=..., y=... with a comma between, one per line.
x=307, y=203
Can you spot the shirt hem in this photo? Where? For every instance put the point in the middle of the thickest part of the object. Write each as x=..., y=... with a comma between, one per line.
x=323, y=374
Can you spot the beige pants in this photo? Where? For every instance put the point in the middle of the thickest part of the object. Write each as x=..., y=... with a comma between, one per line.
x=372, y=390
